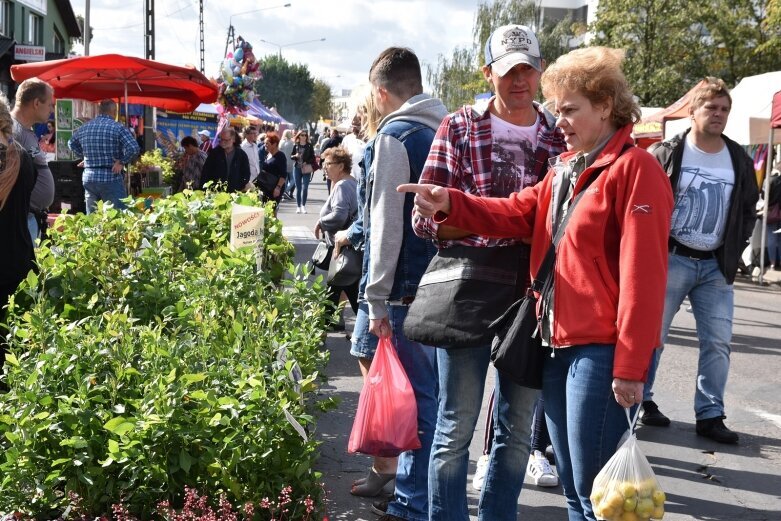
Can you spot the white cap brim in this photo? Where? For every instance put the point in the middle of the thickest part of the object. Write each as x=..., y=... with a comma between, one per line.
x=503, y=65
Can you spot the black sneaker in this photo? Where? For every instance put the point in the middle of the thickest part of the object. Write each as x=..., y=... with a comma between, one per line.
x=379, y=507
x=652, y=416
x=715, y=429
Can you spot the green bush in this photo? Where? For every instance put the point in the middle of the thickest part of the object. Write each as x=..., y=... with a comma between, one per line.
x=155, y=158
x=147, y=356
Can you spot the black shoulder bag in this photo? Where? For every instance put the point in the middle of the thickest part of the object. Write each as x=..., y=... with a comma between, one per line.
x=517, y=351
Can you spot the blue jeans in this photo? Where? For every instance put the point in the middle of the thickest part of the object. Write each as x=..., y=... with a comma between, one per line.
x=773, y=243
x=584, y=420
x=362, y=343
x=112, y=191
x=290, y=183
x=462, y=375
x=712, y=301
x=420, y=363
x=32, y=226
x=302, y=185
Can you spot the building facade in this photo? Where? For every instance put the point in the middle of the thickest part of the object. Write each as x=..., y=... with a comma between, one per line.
x=34, y=30
x=584, y=11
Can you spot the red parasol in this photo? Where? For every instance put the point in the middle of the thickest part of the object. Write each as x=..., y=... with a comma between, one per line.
x=134, y=80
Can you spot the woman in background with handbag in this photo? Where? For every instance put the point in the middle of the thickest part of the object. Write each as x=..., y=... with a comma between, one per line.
x=273, y=171
x=304, y=156
x=338, y=213
x=611, y=260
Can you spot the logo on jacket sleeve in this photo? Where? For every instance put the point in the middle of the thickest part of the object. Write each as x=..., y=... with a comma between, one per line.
x=641, y=208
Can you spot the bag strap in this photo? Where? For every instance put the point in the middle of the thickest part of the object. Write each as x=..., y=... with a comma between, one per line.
x=546, y=267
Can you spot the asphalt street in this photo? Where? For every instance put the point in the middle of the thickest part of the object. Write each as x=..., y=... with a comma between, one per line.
x=703, y=479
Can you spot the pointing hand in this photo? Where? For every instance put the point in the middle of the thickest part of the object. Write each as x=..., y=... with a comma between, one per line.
x=429, y=199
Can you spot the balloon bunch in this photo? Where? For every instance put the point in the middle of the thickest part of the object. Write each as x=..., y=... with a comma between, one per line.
x=238, y=74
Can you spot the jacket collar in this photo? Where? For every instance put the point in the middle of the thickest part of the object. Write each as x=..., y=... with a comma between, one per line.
x=612, y=149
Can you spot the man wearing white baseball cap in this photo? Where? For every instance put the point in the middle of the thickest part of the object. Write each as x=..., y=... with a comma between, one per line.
x=206, y=140
x=488, y=150
x=510, y=45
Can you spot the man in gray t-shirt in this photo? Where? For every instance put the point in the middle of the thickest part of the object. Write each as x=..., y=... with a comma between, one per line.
x=34, y=103
x=715, y=191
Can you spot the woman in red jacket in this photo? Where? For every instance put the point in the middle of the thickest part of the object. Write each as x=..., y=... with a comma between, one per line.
x=603, y=318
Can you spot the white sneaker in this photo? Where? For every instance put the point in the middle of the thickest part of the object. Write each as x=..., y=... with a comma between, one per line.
x=298, y=209
x=540, y=470
x=480, y=471
x=303, y=209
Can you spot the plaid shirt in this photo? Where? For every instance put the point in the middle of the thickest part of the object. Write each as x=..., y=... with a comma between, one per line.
x=100, y=142
x=192, y=165
x=460, y=157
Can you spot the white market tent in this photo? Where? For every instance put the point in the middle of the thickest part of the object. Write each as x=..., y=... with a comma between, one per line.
x=749, y=119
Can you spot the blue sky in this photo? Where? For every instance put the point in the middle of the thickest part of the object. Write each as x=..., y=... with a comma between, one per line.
x=355, y=31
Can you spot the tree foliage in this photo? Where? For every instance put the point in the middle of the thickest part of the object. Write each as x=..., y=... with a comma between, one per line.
x=553, y=37
x=321, y=100
x=288, y=87
x=738, y=35
x=80, y=22
x=457, y=79
x=672, y=44
x=772, y=26
x=664, y=48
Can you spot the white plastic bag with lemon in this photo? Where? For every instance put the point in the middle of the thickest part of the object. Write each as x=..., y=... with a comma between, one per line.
x=626, y=489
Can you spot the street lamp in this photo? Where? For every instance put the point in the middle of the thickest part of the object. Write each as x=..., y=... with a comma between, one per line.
x=278, y=46
x=230, y=23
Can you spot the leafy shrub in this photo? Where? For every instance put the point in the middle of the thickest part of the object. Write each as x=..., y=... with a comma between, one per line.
x=155, y=158
x=147, y=356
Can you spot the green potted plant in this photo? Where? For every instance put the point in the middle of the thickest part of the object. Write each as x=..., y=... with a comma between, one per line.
x=156, y=167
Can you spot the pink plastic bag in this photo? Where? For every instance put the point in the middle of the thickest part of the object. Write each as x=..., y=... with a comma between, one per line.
x=386, y=423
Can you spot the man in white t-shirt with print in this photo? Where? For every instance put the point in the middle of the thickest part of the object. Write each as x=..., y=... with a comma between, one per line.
x=490, y=150
x=715, y=196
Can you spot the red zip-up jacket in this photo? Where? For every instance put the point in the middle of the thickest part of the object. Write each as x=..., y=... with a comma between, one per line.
x=610, y=274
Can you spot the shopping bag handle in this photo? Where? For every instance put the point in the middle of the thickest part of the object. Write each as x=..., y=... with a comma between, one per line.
x=632, y=420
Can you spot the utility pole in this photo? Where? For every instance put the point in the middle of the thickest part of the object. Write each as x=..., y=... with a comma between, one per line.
x=149, y=29
x=230, y=40
x=200, y=21
x=86, y=30
x=149, y=54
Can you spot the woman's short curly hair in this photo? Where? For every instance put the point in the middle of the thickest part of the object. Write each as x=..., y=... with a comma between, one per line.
x=596, y=73
x=340, y=156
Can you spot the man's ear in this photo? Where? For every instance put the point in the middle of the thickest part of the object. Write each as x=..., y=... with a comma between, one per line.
x=486, y=70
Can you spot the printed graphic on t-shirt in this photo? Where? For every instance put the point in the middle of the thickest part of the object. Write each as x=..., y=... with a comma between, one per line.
x=512, y=156
x=701, y=207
